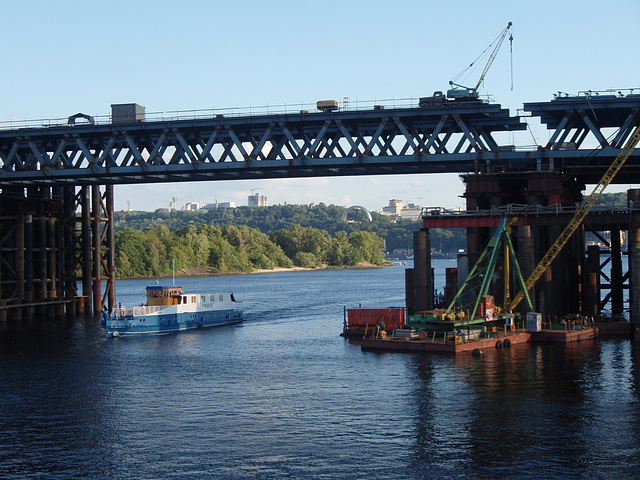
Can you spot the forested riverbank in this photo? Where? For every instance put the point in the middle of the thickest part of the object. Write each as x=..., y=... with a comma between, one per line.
x=396, y=232
x=240, y=249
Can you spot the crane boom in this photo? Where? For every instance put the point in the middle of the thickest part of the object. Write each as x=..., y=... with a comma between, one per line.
x=577, y=219
x=462, y=93
x=492, y=57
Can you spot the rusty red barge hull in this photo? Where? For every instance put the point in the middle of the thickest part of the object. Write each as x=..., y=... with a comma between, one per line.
x=414, y=345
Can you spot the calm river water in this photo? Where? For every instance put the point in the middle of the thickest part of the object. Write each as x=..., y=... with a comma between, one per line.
x=283, y=396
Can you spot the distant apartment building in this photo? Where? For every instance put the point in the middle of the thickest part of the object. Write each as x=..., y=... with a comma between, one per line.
x=217, y=204
x=397, y=209
x=257, y=200
x=394, y=207
x=190, y=206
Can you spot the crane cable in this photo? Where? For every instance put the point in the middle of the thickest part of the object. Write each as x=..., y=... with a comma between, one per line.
x=511, y=52
x=481, y=56
x=493, y=55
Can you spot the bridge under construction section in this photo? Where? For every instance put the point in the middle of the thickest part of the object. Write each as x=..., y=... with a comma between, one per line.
x=57, y=178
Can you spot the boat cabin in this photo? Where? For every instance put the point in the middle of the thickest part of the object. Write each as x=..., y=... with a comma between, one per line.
x=159, y=295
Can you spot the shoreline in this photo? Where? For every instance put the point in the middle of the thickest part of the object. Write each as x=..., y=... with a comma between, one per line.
x=210, y=271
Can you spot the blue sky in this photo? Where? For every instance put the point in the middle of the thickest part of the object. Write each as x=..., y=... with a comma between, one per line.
x=65, y=57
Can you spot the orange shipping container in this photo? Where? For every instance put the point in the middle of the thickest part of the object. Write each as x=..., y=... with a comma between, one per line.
x=391, y=318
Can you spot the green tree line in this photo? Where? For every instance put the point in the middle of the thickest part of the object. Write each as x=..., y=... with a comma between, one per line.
x=239, y=248
x=397, y=233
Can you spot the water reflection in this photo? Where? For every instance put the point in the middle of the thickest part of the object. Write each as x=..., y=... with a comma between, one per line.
x=516, y=412
x=283, y=396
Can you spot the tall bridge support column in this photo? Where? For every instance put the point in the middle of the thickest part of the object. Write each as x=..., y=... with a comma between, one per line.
x=51, y=274
x=57, y=290
x=41, y=271
x=409, y=290
x=111, y=248
x=85, y=255
x=423, y=279
x=617, y=300
x=561, y=285
x=573, y=262
x=70, y=239
x=3, y=301
x=524, y=242
x=633, y=249
x=96, y=248
x=27, y=310
x=19, y=265
x=592, y=282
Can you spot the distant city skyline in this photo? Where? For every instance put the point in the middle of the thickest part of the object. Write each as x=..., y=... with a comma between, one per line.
x=189, y=204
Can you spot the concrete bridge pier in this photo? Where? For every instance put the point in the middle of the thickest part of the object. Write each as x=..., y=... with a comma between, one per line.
x=422, y=272
x=633, y=250
x=559, y=289
x=591, y=306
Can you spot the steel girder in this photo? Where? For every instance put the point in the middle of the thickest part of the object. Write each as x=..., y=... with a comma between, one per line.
x=572, y=119
x=446, y=139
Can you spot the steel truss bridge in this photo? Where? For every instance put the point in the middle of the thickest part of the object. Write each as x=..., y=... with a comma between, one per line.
x=450, y=138
x=57, y=179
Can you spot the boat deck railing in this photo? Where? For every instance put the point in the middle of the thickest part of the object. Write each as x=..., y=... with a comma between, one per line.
x=145, y=310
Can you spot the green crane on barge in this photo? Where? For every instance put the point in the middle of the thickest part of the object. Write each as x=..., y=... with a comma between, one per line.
x=481, y=309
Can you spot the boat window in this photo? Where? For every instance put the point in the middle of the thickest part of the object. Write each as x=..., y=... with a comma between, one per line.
x=233, y=298
x=202, y=298
x=220, y=298
x=184, y=299
x=193, y=299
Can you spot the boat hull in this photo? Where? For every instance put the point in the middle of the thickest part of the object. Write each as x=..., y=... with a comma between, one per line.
x=159, y=323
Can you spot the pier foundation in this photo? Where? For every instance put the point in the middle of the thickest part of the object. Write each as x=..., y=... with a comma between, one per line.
x=539, y=207
x=50, y=240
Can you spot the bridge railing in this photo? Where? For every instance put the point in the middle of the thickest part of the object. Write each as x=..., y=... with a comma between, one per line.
x=214, y=112
x=515, y=209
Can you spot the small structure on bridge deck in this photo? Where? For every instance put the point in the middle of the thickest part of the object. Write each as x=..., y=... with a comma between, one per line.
x=73, y=118
x=127, y=113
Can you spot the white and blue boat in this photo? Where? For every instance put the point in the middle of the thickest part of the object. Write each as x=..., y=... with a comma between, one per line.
x=169, y=309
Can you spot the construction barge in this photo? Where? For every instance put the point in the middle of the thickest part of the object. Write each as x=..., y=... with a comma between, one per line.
x=472, y=320
x=406, y=340
x=435, y=331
